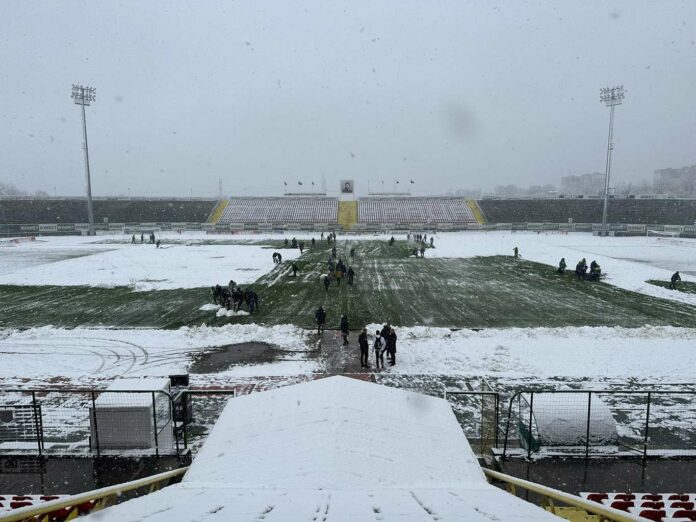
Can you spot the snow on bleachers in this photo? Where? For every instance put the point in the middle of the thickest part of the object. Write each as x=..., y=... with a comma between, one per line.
x=414, y=210
x=651, y=506
x=281, y=210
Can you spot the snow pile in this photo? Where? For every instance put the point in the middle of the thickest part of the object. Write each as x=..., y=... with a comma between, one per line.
x=335, y=448
x=653, y=352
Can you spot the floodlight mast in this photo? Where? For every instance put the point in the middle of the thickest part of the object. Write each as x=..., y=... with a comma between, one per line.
x=611, y=97
x=84, y=96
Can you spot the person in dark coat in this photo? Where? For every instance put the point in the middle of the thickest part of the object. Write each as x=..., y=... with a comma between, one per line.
x=561, y=266
x=379, y=348
x=364, y=348
x=300, y=245
x=320, y=316
x=313, y=243
x=327, y=281
x=351, y=275
x=214, y=292
x=294, y=243
x=294, y=269
x=286, y=242
x=580, y=269
x=133, y=239
x=391, y=346
x=673, y=281
x=345, y=329
x=516, y=251
x=422, y=251
x=333, y=252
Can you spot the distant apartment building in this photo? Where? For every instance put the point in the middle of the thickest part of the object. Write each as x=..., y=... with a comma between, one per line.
x=676, y=182
x=585, y=184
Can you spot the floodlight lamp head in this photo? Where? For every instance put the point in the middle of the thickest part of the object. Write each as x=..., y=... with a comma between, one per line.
x=612, y=95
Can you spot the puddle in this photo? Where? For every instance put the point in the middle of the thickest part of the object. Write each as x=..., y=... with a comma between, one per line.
x=225, y=357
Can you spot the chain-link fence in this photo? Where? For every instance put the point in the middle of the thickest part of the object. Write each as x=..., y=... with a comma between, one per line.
x=61, y=421
x=648, y=423
x=478, y=414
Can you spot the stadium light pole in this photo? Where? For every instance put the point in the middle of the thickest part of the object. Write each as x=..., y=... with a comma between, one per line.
x=611, y=97
x=84, y=96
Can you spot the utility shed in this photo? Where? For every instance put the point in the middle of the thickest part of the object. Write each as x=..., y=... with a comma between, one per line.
x=332, y=449
x=133, y=414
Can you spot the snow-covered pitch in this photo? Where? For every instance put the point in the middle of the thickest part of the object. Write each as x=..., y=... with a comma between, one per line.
x=91, y=356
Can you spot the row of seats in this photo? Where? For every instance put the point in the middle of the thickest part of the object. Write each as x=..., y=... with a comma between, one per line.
x=625, y=211
x=281, y=210
x=651, y=506
x=414, y=210
x=49, y=211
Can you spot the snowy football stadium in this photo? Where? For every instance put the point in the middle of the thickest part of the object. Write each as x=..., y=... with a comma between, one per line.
x=500, y=358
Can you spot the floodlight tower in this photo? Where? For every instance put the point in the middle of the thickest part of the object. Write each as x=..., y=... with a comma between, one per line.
x=84, y=96
x=611, y=97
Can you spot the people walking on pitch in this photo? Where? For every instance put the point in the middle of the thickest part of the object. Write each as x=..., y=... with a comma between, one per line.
x=673, y=281
x=320, y=316
x=133, y=239
x=364, y=348
x=345, y=330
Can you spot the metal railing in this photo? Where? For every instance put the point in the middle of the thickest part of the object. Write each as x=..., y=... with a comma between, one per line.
x=74, y=421
x=550, y=496
x=70, y=507
x=478, y=413
x=643, y=421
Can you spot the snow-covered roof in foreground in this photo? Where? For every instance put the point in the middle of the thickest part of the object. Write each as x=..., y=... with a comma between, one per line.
x=336, y=449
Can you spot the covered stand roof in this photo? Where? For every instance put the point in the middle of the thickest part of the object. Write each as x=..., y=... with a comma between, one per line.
x=332, y=449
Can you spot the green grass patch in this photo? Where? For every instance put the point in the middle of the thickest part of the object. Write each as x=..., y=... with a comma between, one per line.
x=72, y=306
x=390, y=286
x=479, y=292
x=682, y=286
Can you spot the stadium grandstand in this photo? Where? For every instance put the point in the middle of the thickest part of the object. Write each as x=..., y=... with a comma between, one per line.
x=280, y=210
x=132, y=210
x=68, y=214
x=415, y=210
x=561, y=210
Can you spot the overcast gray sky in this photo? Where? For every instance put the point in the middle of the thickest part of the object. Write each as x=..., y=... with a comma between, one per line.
x=451, y=94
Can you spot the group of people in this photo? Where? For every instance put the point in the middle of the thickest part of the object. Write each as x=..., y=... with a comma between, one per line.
x=593, y=272
x=297, y=244
x=152, y=240
x=233, y=297
x=384, y=341
x=337, y=270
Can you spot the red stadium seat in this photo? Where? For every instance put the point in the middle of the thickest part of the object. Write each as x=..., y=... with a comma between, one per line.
x=86, y=507
x=624, y=496
x=46, y=498
x=653, y=514
x=24, y=503
x=597, y=497
x=685, y=513
x=26, y=497
x=623, y=505
x=682, y=505
x=654, y=505
x=59, y=514
x=652, y=496
x=679, y=498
